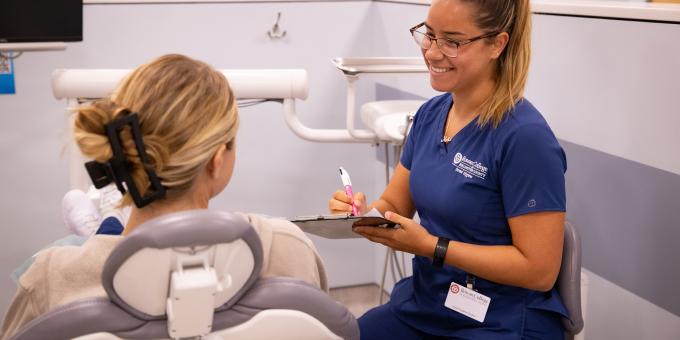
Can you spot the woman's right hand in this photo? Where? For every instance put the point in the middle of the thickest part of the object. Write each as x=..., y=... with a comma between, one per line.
x=342, y=204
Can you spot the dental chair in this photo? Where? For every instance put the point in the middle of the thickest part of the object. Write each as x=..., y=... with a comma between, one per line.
x=571, y=285
x=195, y=274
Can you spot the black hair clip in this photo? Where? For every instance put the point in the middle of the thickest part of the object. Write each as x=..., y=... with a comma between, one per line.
x=117, y=169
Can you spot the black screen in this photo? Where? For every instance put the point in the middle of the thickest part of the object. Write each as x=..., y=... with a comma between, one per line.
x=41, y=20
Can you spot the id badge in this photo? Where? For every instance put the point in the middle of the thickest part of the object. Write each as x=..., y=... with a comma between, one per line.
x=467, y=302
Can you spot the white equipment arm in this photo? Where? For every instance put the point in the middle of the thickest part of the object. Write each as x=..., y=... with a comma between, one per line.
x=246, y=84
x=353, y=67
x=286, y=85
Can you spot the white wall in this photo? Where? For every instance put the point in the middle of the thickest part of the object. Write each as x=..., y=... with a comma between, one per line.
x=611, y=87
x=615, y=75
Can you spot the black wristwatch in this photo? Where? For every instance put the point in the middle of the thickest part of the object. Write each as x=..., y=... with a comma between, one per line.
x=440, y=252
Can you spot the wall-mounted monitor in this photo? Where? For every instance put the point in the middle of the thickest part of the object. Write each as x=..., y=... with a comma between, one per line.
x=41, y=20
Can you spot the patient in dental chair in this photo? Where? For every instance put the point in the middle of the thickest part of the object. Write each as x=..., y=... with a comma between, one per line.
x=168, y=133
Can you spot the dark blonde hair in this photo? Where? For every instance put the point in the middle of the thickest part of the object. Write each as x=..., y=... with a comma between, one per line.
x=186, y=111
x=513, y=17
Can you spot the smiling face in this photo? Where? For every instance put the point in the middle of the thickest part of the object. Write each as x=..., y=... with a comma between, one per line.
x=475, y=62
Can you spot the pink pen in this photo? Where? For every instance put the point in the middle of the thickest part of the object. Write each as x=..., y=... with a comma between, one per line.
x=344, y=176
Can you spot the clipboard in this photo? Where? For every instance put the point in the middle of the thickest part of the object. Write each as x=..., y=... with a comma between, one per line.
x=339, y=226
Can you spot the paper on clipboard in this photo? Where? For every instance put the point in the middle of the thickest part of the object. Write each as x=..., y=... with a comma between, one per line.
x=340, y=226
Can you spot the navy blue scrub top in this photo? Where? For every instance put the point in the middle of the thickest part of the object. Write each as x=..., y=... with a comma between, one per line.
x=465, y=191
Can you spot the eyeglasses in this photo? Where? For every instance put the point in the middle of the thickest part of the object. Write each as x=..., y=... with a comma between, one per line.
x=448, y=47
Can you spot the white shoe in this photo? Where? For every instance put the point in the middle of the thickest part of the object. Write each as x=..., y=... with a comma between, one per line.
x=80, y=214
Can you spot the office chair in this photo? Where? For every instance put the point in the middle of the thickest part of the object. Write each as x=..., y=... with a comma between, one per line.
x=569, y=283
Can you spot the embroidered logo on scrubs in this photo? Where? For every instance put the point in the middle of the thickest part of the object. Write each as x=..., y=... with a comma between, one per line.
x=469, y=168
x=457, y=158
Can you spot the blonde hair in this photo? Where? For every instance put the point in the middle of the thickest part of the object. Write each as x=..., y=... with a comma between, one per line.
x=513, y=17
x=186, y=111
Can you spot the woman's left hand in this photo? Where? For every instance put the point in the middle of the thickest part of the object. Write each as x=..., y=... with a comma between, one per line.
x=409, y=237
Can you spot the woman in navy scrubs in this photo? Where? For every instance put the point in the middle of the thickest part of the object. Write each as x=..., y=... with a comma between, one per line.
x=485, y=174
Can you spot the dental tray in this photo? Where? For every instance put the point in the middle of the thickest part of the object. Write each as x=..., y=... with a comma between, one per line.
x=354, y=66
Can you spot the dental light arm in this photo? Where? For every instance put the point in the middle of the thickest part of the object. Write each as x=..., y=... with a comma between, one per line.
x=246, y=84
x=286, y=85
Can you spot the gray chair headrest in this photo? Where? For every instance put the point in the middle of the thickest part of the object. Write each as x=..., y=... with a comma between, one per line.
x=137, y=273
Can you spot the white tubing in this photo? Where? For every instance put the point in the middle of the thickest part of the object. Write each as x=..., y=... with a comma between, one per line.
x=314, y=135
x=246, y=84
x=362, y=135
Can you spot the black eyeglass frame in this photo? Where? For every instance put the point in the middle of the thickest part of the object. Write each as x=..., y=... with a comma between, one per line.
x=458, y=44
